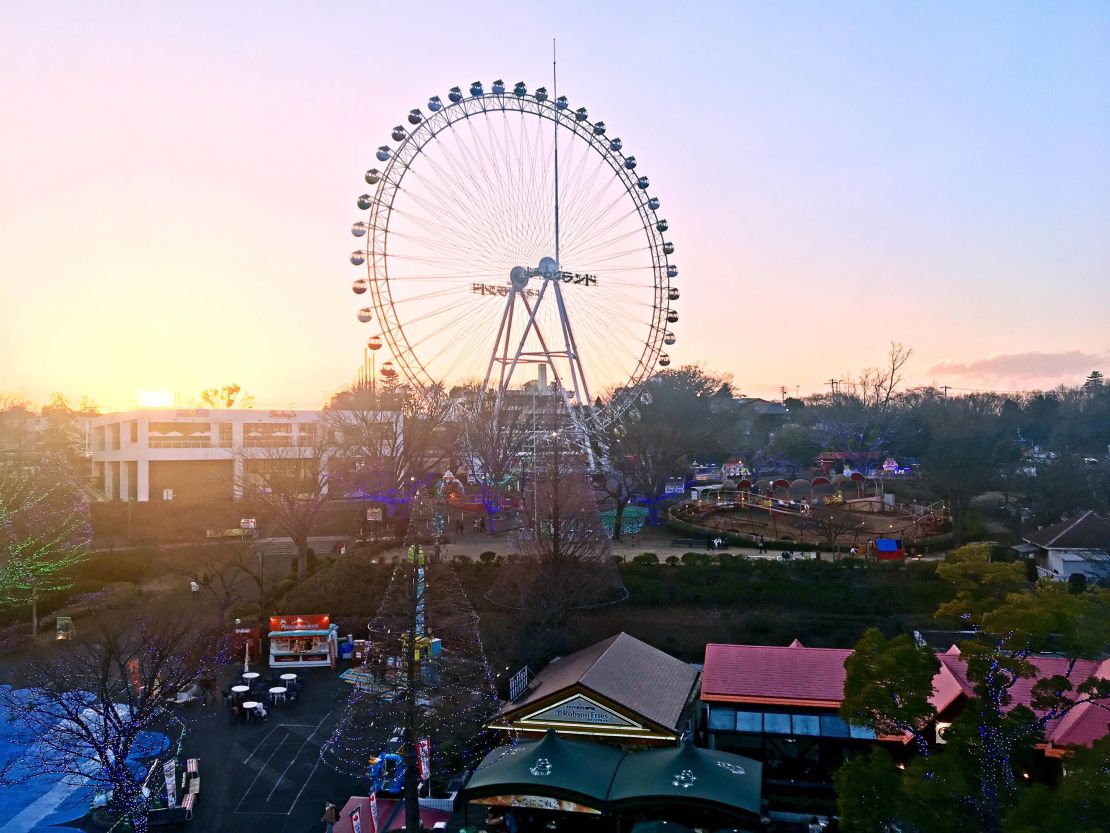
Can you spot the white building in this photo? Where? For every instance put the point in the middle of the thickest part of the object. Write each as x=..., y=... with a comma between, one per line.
x=194, y=453
x=1077, y=545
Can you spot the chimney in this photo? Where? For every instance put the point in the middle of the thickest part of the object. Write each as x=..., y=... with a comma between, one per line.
x=541, y=377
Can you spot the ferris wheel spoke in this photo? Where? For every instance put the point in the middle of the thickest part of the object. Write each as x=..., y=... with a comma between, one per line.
x=586, y=248
x=597, y=216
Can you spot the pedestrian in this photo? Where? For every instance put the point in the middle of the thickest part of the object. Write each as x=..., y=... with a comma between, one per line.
x=762, y=544
x=194, y=588
x=475, y=524
x=331, y=816
x=483, y=526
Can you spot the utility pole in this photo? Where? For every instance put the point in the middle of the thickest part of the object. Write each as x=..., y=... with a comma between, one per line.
x=782, y=393
x=834, y=386
x=414, y=561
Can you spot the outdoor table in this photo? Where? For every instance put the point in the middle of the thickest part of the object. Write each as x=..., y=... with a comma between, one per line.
x=250, y=675
x=289, y=677
x=240, y=689
x=278, y=691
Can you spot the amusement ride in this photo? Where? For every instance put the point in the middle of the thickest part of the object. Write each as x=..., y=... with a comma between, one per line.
x=504, y=228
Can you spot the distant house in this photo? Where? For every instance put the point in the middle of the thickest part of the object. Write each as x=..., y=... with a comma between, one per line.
x=1077, y=545
x=1081, y=726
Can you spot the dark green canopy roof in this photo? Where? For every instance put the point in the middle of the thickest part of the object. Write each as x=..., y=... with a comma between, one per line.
x=660, y=827
x=606, y=778
x=566, y=769
x=688, y=774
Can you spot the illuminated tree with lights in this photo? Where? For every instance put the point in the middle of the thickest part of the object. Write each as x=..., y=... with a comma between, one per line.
x=86, y=708
x=45, y=528
x=979, y=776
x=409, y=690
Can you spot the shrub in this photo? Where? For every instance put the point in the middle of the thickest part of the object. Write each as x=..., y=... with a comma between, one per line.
x=1077, y=583
x=646, y=558
x=112, y=567
x=673, y=560
x=487, y=557
x=697, y=559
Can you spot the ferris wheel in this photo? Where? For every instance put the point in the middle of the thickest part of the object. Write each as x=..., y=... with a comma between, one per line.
x=509, y=238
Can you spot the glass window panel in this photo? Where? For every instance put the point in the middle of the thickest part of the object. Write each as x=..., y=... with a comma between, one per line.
x=806, y=724
x=721, y=718
x=833, y=727
x=776, y=724
x=749, y=721
x=862, y=732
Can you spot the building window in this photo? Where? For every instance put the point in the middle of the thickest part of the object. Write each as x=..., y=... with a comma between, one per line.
x=268, y=435
x=721, y=718
x=833, y=727
x=225, y=434
x=862, y=732
x=749, y=722
x=776, y=724
x=806, y=724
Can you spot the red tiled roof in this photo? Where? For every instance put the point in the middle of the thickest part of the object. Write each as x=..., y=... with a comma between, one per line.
x=1081, y=726
x=796, y=675
x=769, y=674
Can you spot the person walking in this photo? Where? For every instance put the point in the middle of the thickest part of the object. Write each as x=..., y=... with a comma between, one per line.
x=194, y=588
x=762, y=544
x=331, y=816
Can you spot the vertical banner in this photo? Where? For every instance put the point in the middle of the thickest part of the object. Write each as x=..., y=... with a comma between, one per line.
x=133, y=672
x=356, y=820
x=169, y=770
x=424, y=756
x=373, y=812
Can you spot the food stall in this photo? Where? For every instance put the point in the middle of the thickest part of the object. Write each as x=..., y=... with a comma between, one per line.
x=303, y=641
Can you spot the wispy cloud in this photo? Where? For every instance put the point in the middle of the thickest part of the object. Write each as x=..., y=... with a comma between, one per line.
x=1025, y=367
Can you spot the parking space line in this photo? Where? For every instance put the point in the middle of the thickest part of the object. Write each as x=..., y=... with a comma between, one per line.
x=314, y=767
x=261, y=769
x=264, y=738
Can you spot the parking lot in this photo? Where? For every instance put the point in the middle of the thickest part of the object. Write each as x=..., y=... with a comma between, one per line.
x=266, y=776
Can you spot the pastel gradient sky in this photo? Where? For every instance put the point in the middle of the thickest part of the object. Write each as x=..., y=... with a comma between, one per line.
x=178, y=180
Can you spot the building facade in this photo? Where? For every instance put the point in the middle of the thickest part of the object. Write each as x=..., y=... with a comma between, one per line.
x=198, y=453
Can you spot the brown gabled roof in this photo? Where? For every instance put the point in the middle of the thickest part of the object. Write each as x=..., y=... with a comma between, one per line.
x=1089, y=531
x=624, y=670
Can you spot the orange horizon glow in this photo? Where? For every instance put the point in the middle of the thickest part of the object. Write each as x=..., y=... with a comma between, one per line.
x=177, y=210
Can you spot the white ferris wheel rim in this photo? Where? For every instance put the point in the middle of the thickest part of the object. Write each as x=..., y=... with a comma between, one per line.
x=401, y=160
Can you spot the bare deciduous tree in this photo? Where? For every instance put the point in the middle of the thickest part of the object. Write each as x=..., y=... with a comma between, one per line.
x=290, y=484
x=563, y=561
x=84, y=709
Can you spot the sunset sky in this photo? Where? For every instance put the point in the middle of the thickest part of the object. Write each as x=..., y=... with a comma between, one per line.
x=179, y=181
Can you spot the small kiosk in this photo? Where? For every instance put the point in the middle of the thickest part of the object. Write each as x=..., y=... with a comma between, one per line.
x=303, y=641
